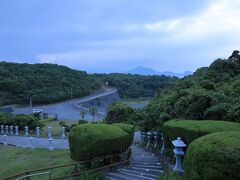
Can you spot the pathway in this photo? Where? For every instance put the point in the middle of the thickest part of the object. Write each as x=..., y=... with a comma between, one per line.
x=24, y=142
x=143, y=166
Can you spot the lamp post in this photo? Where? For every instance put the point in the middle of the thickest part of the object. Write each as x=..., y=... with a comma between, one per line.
x=179, y=153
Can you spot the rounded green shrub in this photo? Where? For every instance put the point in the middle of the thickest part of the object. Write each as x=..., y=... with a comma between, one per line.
x=87, y=141
x=127, y=128
x=214, y=157
x=189, y=130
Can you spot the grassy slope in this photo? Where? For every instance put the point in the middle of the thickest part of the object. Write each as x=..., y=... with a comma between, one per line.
x=15, y=160
x=55, y=126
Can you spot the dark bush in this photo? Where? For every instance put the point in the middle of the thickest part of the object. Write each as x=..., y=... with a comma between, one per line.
x=87, y=141
x=27, y=120
x=118, y=113
x=214, y=157
x=20, y=120
x=189, y=130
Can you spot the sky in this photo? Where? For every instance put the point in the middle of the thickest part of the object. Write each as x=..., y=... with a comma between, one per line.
x=118, y=35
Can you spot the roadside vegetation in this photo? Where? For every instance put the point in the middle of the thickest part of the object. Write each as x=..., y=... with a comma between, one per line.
x=43, y=83
x=48, y=83
x=135, y=86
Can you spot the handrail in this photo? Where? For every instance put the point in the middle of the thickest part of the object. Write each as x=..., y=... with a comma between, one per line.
x=65, y=165
x=93, y=170
x=37, y=174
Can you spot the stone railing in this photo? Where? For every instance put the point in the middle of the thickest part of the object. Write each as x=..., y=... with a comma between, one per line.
x=154, y=142
x=14, y=131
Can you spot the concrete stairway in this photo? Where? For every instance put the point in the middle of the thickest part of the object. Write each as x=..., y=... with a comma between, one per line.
x=143, y=166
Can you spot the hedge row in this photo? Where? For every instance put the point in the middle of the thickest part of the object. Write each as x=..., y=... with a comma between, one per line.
x=189, y=130
x=127, y=128
x=214, y=157
x=88, y=141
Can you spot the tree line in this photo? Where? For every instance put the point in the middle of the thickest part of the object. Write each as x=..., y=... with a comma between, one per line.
x=48, y=83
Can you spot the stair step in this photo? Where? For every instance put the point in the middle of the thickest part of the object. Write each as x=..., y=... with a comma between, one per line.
x=143, y=166
x=145, y=174
x=121, y=176
x=133, y=175
x=147, y=167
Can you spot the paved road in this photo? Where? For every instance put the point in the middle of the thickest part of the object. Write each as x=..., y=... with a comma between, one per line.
x=69, y=110
x=78, y=104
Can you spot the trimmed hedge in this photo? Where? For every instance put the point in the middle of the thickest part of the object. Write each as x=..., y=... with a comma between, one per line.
x=189, y=130
x=214, y=157
x=127, y=128
x=87, y=141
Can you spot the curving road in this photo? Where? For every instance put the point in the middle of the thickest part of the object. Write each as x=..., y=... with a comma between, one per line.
x=69, y=110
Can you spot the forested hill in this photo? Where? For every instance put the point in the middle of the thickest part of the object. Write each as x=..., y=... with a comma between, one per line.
x=44, y=83
x=48, y=83
x=135, y=86
x=210, y=93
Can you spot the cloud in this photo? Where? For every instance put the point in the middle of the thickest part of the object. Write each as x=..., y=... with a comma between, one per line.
x=221, y=17
x=116, y=36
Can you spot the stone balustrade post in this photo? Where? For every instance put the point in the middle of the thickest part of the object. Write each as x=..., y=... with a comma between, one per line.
x=26, y=131
x=2, y=129
x=49, y=132
x=38, y=131
x=163, y=145
x=149, y=136
x=156, y=137
x=4, y=139
x=50, y=144
x=32, y=142
x=6, y=130
x=11, y=130
x=63, y=132
x=16, y=131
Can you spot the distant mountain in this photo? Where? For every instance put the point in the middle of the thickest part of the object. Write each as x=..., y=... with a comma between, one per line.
x=149, y=71
x=143, y=71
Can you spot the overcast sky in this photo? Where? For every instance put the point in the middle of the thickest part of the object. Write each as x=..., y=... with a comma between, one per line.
x=117, y=35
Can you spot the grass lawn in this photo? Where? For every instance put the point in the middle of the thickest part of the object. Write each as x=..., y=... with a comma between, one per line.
x=15, y=160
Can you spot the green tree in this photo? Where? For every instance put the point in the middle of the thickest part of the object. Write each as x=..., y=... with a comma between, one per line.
x=119, y=113
x=93, y=111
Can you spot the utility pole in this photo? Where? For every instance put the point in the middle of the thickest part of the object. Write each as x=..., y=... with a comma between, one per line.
x=30, y=105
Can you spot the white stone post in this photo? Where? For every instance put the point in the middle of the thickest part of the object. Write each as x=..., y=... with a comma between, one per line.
x=63, y=132
x=49, y=132
x=11, y=130
x=163, y=146
x=6, y=129
x=4, y=138
x=31, y=142
x=26, y=131
x=156, y=136
x=149, y=136
x=38, y=131
x=179, y=153
x=2, y=129
x=50, y=144
x=16, y=131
